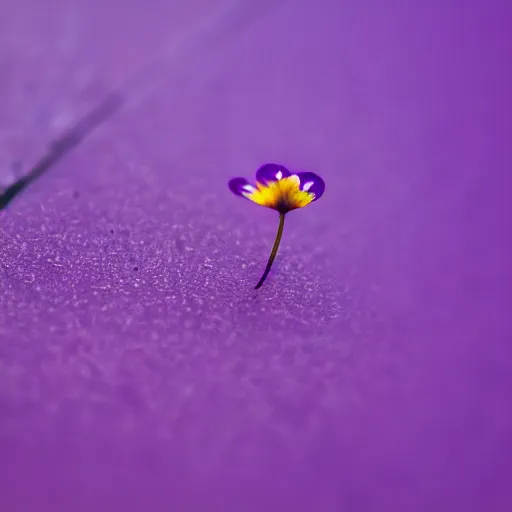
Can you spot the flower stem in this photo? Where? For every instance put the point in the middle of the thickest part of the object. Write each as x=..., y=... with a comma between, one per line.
x=274, y=251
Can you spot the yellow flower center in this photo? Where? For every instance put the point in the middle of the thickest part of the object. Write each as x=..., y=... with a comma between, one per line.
x=284, y=194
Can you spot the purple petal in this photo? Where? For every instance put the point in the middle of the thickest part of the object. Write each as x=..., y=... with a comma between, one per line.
x=311, y=182
x=240, y=186
x=271, y=172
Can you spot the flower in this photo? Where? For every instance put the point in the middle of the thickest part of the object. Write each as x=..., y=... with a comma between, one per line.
x=280, y=190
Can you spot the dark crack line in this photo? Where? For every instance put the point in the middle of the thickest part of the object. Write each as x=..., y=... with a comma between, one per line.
x=62, y=146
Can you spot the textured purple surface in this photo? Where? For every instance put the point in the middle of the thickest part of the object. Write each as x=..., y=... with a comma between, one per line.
x=372, y=372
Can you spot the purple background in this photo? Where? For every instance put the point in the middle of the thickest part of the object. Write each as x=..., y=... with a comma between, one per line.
x=372, y=372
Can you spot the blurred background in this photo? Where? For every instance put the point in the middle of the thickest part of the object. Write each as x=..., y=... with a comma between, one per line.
x=139, y=370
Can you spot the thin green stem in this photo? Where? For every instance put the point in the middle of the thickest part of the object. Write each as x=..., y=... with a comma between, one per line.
x=274, y=251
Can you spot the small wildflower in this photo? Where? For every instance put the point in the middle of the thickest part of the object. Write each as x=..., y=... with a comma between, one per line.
x=282, y=191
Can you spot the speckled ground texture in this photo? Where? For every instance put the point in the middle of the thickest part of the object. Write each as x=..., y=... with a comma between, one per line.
x=139, y=370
